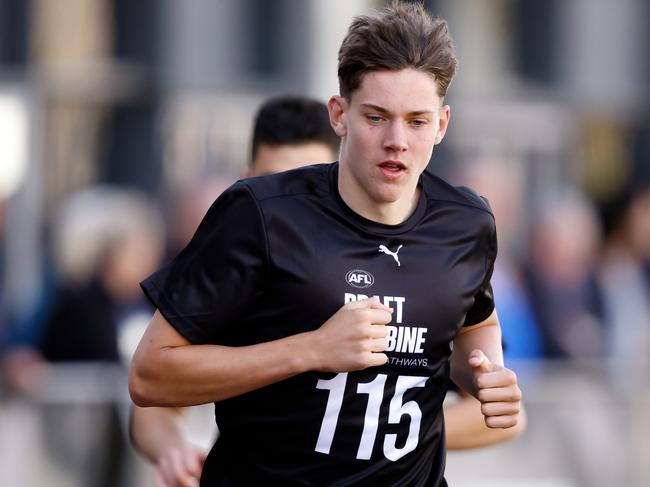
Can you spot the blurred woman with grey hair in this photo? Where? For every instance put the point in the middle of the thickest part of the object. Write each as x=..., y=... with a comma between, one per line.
x=106, y=240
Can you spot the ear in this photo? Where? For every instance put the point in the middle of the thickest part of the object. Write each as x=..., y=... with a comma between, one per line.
x=443, y=123
x=337, y=106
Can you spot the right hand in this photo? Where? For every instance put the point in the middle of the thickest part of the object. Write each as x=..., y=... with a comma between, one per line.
x=180, y=467
x=354, y=338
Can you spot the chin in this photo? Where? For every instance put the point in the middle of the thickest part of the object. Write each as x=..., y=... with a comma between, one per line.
x=388, y=196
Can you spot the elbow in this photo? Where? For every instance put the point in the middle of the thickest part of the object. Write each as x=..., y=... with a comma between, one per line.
x=141, y=390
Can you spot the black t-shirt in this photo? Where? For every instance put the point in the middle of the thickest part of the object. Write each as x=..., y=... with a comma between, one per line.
x=279, y=255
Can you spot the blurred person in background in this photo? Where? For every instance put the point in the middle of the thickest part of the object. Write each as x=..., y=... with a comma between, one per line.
x=623, y=274
x=22, y=367
x=289, y=132
x=500, y=179
x=565, y=243
x=99, y=313
x=105, y=240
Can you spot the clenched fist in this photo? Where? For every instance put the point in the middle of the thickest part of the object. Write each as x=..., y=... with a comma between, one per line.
x=354, y=338
x=498, y=391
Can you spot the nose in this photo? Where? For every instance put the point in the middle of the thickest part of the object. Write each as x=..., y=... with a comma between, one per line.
x=395, y=138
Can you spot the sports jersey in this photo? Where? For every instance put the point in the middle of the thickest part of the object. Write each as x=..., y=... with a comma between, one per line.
x=279, y=255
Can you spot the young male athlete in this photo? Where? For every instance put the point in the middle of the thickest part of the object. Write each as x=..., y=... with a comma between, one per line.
x=265, y=312
x=289, y=132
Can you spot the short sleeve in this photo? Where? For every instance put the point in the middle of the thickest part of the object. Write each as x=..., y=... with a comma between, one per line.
x=207, y=289
x=484, y=298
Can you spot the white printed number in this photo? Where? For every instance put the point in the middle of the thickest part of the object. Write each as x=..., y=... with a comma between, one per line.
x=375, y=392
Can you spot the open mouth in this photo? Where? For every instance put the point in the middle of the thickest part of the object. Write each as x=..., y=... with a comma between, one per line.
x=392, y=168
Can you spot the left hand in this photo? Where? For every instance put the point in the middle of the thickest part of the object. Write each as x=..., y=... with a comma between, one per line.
x=180, y=467
x=498, y=391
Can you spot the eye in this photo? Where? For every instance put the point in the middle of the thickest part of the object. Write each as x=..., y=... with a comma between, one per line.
x=374, y=118
x=419, y=122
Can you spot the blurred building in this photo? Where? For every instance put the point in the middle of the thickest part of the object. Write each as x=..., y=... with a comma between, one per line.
x=155, y=94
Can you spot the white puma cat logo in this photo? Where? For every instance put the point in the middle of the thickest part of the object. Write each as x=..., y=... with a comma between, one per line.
x=385, y=250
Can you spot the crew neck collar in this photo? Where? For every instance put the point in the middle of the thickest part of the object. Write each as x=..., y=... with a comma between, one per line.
x=370, y=225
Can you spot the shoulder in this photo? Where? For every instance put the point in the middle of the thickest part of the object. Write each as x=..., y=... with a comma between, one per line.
x=438, y=190
x=304, y=181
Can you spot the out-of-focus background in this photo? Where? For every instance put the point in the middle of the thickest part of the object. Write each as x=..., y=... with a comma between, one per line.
x=120, y=121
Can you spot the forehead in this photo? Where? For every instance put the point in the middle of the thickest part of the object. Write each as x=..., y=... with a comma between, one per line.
x=407, y=90
x=277, y=158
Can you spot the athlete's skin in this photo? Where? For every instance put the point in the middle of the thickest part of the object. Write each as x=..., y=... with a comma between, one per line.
x=388, y=128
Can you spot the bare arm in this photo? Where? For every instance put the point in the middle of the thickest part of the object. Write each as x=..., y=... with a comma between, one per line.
x=477, y=367
x=154, y=430
x=465, y=426
x=157, y=433
x=484, y=336
x=167, y=370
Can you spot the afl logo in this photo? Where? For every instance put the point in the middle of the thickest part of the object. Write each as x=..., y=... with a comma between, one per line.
x=359, y=278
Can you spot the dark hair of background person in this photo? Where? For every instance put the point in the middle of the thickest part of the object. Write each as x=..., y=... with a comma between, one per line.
x=292, y=120
x=613, y=211
x=404, y=36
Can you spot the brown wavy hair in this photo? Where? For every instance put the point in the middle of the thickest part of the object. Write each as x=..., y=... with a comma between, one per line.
x=402, y=36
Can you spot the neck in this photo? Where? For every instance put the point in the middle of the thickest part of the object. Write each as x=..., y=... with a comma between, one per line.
x=362, y=203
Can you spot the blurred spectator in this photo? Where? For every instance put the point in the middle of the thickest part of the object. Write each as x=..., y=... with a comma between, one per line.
x=623, y=274
x=101, y=286
x=501, y=180
x=105, y=241
x=565, y=241
x=21, y=365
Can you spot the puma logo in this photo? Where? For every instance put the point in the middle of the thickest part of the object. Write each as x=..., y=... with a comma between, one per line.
x=386, y=250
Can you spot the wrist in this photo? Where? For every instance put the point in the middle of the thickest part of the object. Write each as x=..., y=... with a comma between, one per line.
x=305, y=352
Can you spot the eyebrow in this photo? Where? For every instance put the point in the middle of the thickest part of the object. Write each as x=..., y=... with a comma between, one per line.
x=383, y=111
